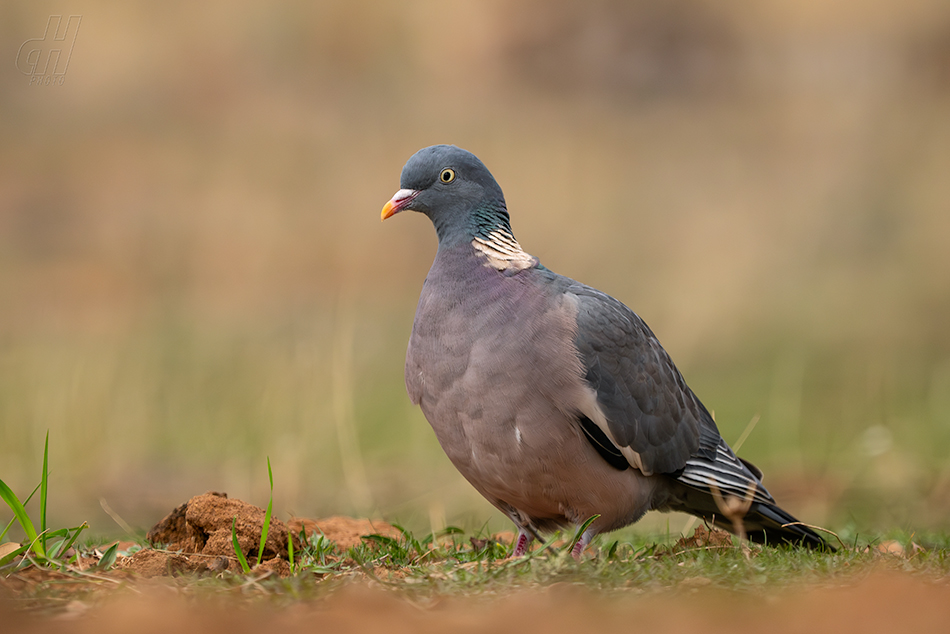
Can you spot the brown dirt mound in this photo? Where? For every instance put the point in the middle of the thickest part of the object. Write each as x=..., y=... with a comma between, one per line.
x=197, y=538
x=203, y=526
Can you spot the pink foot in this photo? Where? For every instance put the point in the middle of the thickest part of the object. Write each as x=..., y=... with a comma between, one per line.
x=521, y=544
x=581, y=545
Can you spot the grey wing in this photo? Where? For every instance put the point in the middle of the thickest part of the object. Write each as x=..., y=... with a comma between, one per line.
x=647, y=404
x=648, y=410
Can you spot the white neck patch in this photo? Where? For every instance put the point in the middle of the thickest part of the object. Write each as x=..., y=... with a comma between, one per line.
x=502, y=251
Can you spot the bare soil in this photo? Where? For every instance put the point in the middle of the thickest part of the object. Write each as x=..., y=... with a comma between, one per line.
x=196, y=537
x=883, y=602
x=345, y=532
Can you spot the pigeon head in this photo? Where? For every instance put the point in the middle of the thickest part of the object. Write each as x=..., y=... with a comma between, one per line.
x=454, y=189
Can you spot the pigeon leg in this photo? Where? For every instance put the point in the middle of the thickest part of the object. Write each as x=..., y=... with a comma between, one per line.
x=581, y=544
x=521, y=543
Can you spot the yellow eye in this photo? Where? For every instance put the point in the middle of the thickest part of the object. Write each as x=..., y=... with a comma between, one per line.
x=447, y=175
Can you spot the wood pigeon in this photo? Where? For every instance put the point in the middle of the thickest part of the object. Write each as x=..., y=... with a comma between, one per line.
x=553, y=399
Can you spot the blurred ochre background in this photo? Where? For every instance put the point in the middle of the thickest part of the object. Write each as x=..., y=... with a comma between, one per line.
x=193, y=275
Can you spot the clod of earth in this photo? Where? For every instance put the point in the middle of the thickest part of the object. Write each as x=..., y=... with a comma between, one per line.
x=704, y=537
x=196, y=538
x=203, y=526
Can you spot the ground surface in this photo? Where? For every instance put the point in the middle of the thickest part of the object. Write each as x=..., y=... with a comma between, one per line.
x=882, y=602
x=358, y=575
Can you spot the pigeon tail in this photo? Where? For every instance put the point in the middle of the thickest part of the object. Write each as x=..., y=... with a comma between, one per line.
x=761, y=522
x=779, y=526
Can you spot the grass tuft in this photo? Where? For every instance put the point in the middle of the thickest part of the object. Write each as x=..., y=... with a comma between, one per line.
x=37, y=542
x=21, y=516
x=267, y=515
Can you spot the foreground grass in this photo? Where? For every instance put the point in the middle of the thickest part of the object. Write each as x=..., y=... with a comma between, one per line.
x=51, y=570
x=471, y=566
x=453, y=564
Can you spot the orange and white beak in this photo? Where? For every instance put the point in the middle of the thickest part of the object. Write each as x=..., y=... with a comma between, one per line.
x=398, y=202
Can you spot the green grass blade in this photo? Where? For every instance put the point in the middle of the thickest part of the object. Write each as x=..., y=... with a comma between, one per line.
x=410, y=539
x=8, y=496
x=290, y=551
x=321, y=546
x=55, y=548
x=7, y=528
x=381, y=540
x=270, y=506
x=580, y=531
x=108, y=557
x=44, y=487
x=237, y=547
x=13, y=519
x=75, y=533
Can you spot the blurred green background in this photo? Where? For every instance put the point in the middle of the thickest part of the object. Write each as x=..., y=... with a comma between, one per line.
x=193, y=275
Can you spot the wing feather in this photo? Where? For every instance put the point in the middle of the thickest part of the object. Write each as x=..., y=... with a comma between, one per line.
x=646, y=404
x=644, y=407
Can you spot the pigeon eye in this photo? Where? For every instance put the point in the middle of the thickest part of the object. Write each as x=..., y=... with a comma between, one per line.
x=447, y=175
